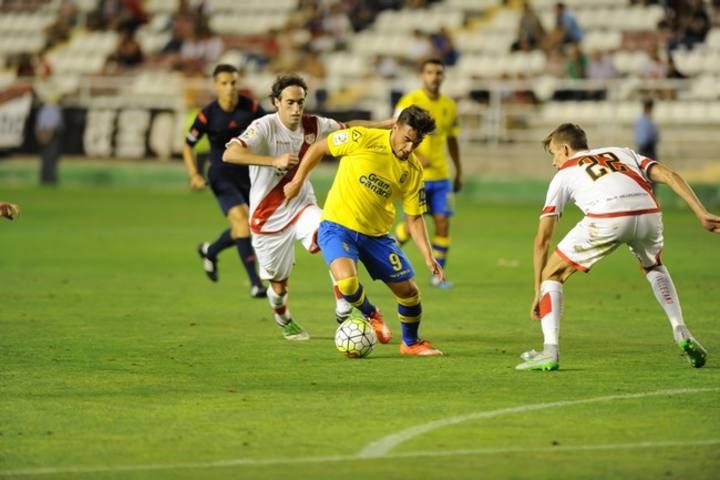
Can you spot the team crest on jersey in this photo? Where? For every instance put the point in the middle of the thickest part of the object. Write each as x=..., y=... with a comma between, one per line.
x=340, y=138
x=421, y=198
x=310, y=138
x=403, y=177
x=356, y=135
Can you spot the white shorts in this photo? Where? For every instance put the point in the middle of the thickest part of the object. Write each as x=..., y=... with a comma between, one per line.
x=593, y=239
x=276, y=251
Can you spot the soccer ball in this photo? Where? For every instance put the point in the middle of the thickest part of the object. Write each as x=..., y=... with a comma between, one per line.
x=355, y=338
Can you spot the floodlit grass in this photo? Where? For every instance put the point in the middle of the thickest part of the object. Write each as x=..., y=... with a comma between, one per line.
x=116, y=352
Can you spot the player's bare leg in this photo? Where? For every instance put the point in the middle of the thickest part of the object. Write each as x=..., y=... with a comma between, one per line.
x=440, y=246
x=277, y=295
x=407, y=296
x=240, y=232
x=666, y=295
x=344, y=271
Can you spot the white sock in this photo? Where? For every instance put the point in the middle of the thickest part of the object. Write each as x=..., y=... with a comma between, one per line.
x=666, y=295
x=551, y=305
x=278, y=303
x=342, y=306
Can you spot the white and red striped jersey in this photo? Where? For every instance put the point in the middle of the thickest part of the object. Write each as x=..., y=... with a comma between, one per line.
x=270, y=212
x=603, y=183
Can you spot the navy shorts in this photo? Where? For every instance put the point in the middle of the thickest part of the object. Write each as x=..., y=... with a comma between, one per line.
x=230, y=186
x=383, y=258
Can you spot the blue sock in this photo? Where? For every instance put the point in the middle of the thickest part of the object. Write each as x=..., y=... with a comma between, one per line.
x=247, y=256
x=410, y=332
x=224, y=241
x=360, y=301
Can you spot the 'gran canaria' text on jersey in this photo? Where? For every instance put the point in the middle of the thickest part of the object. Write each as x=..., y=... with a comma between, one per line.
x=376, y=184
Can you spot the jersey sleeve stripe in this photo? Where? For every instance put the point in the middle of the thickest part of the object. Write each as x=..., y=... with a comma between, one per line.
x=549, y=210
x=202, y=118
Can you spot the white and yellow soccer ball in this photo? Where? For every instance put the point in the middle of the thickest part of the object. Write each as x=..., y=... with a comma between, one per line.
x=355, y=338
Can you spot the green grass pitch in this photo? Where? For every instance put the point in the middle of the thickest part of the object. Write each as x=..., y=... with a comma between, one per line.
x=121, y=360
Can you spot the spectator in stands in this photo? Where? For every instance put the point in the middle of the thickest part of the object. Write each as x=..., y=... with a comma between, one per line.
x=337, y=25
x=127, y=55
x=419, y=48
x=599, y=70
x=646, y=131
x=386, y=66
x=181, y=24
x=48, y=133
x=118, y=15
x=696, y=23
x=444, y=47
x=655, y=68
x=530, y=31
x=567, y=29
x=577, y=63
x=203, y=48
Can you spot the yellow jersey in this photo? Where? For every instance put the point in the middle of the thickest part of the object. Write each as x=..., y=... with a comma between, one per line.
x=369, y=180
x=434, y=146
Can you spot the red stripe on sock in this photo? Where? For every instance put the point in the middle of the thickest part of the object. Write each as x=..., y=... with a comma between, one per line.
x=338, y=294
x=545, y=305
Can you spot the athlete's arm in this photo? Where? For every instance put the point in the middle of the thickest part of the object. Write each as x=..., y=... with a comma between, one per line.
x=418, y=231
x=238, y=154
x=310, y=160
x=454, y=149
x=660, y=173
x=541, y=246
x=197, y=181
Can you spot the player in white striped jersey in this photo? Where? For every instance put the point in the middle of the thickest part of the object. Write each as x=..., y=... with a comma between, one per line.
x=612, y=186
x=272, y=146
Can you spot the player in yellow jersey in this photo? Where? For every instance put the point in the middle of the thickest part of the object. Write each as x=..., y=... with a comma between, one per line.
x=377, y=168
x=432, y=154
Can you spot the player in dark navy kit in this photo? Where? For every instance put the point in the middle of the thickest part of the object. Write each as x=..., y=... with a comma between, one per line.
x=221, y=120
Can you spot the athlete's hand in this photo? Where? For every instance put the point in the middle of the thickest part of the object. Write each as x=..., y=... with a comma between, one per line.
x=291, y=189
x=9, y=211
x=286, y=161
x=435, y=268
x=197, y=182
x=535, y=308
x=457, y=184
x=710, y=222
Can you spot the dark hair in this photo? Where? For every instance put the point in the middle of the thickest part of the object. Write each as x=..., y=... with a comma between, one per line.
x=224, y=68
x=284, y=81
x=648, y=104
x=418, y=119
x=431, y=61
x=570, y=134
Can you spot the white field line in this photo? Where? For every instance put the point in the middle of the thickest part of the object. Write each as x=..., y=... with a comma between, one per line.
x=351, y=458
x=383, y=446
x=413, y=454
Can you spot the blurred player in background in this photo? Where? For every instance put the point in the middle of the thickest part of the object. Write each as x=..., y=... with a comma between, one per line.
x=9, y=210
x=377, y=168
x=272, y=147
x=433, y=157
x=221, y=120
x=612, y=187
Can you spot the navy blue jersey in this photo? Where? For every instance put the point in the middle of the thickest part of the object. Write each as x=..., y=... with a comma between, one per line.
x=221, y=126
